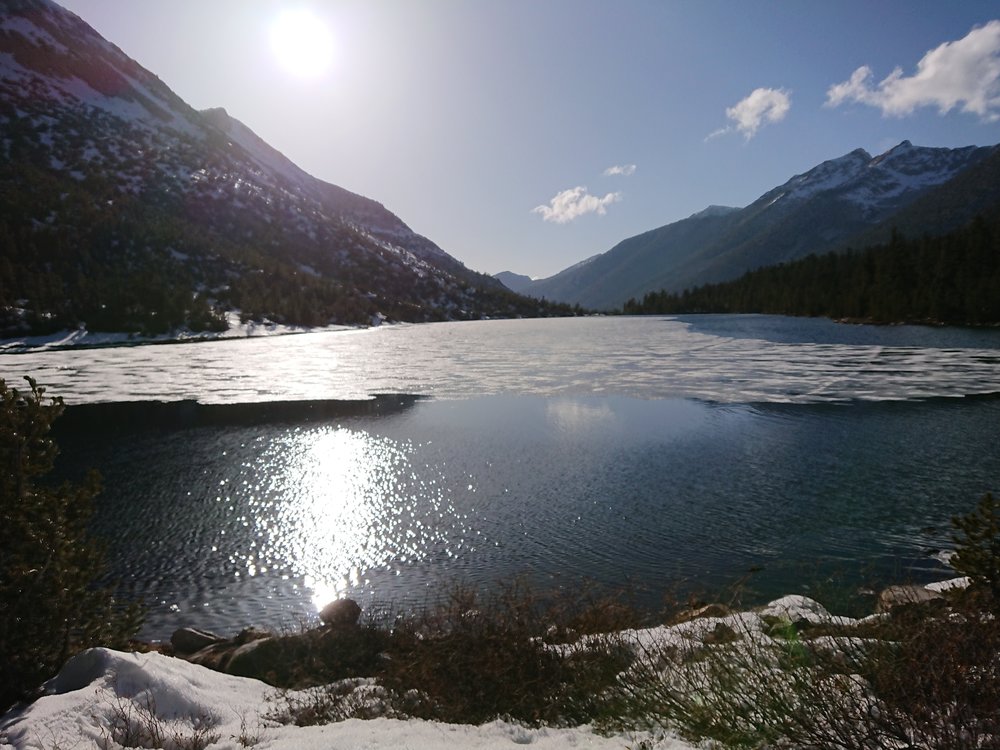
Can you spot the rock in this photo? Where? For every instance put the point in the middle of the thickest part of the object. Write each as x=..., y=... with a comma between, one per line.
x=708, y=610
x=340, y=612
x=214, y=657
x=192, y=640
x=219, y=654
x=261, y=659
x=251, y=634
x=798, y=610
x=895, y=596
x=721, y=633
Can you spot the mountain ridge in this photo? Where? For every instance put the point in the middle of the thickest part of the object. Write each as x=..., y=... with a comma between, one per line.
x=126, y=209
x=840, y=202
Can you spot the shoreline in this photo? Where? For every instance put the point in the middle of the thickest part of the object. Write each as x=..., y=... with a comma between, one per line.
x=81, y=339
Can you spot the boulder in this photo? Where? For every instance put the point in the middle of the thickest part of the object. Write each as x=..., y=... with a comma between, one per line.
x=192, y=640
x=262, y=659
x=708, y=610
x=340, y=613
x=721, y=633
x=219, y=654
x=800, y=611
x=894, y=596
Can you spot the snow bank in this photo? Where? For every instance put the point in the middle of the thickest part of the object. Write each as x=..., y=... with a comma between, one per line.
x=81, y=703
x=83, y=337
x=949, y=585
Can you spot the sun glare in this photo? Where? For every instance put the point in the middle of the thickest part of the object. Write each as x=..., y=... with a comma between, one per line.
x=302, y=43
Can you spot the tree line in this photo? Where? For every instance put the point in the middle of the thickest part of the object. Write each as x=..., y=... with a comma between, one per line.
x=951, y=279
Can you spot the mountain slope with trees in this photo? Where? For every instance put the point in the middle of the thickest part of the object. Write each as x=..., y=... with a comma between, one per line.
x=124, y=209
x=851, y=201
x=954, y=279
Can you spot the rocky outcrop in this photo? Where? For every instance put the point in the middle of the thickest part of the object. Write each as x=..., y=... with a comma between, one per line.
x=191, y=640
x=895, y=596
x=339, y=648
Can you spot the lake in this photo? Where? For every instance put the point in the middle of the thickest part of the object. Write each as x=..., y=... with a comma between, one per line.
x=663, y=453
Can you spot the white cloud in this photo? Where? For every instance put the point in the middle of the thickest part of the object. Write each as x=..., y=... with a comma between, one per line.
x=963, y=74
x=762, y=106
x=574, y=203
x=626, y=170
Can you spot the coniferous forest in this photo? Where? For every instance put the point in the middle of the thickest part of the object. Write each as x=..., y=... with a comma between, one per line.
x=952, y=279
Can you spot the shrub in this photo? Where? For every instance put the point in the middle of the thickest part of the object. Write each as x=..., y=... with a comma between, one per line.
x=135, y=722
x=927, y=675
x=467, y=658
x=478, y=657
x=51, y=605
x=977, y=547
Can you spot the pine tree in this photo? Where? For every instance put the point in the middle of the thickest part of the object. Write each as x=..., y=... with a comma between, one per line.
x=977, y=541
x=51, y=602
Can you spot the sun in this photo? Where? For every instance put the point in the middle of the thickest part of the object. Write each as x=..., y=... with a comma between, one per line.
x=302, y=43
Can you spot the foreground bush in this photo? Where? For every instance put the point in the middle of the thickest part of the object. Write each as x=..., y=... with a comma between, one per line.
x=478, y=657
x=50, y=604
x=471, y=658
x=924, y=675
x=977, y=553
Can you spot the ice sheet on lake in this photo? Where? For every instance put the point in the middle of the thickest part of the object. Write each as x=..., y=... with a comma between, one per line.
x=645, y=358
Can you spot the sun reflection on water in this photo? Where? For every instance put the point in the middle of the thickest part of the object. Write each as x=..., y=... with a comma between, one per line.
x=338, y=503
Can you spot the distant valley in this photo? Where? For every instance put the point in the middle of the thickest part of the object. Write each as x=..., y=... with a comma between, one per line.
x=124, y=209
x=516, y=282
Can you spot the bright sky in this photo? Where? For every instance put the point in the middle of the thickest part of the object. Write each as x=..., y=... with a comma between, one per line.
x=528, y=135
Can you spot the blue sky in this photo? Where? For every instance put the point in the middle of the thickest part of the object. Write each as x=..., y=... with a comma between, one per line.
x=494, y=126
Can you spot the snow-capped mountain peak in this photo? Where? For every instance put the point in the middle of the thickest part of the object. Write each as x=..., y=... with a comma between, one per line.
x=854, y=200
x=874, y=183
x=907, y=169
x=829, y=175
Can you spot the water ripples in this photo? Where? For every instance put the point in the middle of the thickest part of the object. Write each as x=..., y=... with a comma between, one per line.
x=646, y=450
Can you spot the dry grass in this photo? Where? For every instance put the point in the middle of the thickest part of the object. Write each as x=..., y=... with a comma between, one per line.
x=926, y=677
x=136, y=724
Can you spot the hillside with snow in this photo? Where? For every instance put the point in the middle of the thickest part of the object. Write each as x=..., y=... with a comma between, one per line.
x=124, y=209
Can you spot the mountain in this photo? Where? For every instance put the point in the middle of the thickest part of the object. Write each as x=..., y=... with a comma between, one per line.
x=513, y=281
x=122, y=208
x=854, y=200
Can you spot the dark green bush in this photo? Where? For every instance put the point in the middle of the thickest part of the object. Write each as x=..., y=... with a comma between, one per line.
x=923, y=675
x=475, y=657
x=470, y=657
x=977, y=548
x=51, y=604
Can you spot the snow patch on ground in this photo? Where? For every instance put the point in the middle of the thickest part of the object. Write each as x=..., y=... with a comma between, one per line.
x=82, y=700
x=81, y=703
x=949, y=585
x=84, y=338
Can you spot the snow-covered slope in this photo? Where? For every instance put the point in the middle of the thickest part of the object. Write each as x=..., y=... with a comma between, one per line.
x=193, y=706
x=876, y=183
x=108, y=173
x=53, y=56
